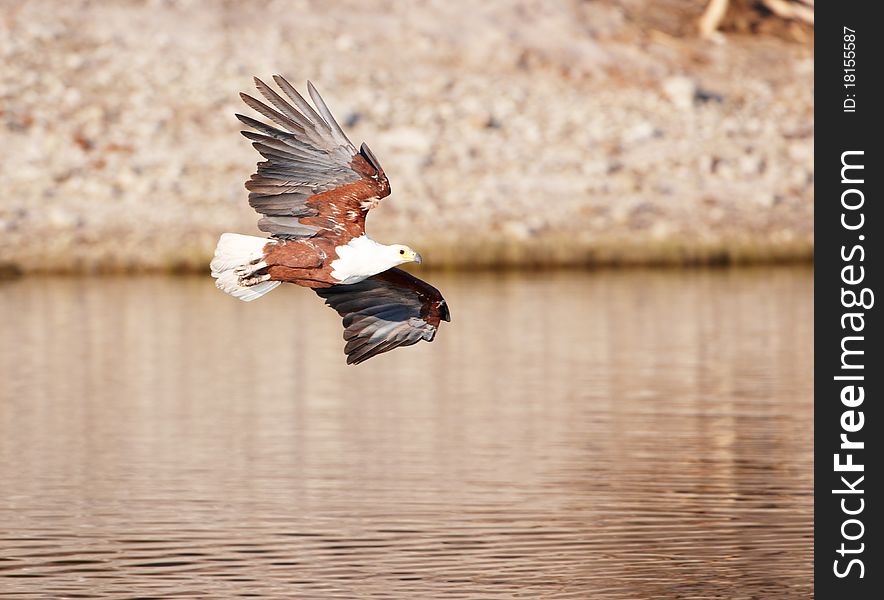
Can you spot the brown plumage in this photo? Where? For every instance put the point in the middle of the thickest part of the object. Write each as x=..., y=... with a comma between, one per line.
x=314, y=190
x=314, y=181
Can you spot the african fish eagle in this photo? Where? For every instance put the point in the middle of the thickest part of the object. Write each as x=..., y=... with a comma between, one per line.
x=314, y=190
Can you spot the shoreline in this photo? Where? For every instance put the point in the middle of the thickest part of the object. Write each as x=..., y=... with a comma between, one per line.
x=502, y=256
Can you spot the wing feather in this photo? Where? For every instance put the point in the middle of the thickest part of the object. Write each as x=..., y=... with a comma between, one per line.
x=328, y=117
x=385, y=311
x=312, y=129
x=299, y=101
x=312, y=173
x=301, y=143
x=274, y=115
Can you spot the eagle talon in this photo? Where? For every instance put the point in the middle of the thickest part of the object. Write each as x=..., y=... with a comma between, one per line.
x=249, y=269
x=249, y=281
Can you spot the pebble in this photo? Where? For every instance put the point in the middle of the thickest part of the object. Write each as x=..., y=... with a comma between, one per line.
x=681, y=91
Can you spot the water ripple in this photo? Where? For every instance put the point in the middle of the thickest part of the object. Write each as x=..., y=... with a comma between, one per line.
x=613, y=436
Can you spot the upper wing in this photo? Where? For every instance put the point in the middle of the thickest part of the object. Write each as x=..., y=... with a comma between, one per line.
x=314, y=181
x=385, y=311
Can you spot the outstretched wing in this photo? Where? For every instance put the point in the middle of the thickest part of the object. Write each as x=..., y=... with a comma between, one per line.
x=314, y=181
x=383, y=312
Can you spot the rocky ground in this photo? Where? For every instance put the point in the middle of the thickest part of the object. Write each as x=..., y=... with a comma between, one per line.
x=525, y=133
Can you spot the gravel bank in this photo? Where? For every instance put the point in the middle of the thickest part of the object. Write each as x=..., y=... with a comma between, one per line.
x=595, y=133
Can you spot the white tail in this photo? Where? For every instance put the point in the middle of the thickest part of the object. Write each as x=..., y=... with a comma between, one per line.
x=237, y=260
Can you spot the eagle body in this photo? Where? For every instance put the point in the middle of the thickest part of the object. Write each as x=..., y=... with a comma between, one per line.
x=318, y=263
x=314, y=191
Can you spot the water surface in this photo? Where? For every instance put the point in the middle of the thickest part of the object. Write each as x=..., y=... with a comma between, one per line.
x=612, y=435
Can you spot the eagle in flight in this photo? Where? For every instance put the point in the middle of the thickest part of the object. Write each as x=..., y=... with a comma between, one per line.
x=314, y=190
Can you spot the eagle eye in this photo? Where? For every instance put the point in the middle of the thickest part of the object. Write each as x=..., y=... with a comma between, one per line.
x=402, y=252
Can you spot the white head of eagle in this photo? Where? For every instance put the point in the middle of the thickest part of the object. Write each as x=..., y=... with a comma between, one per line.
x=363, y=257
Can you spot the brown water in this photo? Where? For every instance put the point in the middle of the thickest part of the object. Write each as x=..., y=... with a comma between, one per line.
x=605, y=435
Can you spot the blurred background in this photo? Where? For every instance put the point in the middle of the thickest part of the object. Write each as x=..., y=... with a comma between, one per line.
x=582, y=132
x=575, y=431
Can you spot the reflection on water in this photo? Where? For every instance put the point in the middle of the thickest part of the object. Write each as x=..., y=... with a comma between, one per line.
x=607, y=435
